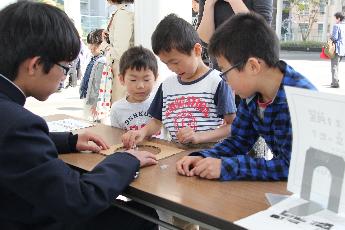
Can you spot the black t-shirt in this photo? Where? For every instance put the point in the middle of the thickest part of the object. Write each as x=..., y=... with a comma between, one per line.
x=223, y=11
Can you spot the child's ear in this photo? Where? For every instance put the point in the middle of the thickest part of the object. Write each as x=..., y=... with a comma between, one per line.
x=121, y=79
x=32, y=64
x=198, y=49
x=253, y=65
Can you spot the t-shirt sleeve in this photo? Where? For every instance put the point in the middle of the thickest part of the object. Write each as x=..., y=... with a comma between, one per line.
x=224, y=99
x=264, y=8
x=156, y=106
x=114, y=121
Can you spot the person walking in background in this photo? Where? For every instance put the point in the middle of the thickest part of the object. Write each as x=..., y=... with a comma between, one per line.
x=338, y=35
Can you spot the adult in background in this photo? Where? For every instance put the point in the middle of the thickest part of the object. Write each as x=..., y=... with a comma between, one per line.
x=37, y=189
x=338, y=37
x=119, y=36
x=212, y=13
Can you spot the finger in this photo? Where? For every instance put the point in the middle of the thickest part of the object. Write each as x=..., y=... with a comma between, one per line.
x=100, y=142
x=179, y=167
x=92, y=148
x=150, y=161
x=185, y=166
x=149, y=155
x=203, y=173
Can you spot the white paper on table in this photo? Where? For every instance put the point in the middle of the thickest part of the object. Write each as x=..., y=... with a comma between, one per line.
x=277, y=217
x=67, y=125
x=318, y=122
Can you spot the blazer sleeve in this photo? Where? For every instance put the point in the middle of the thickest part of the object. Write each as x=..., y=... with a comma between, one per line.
x=33, y=172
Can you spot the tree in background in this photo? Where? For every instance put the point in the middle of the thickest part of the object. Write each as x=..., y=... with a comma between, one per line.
x=306, y=12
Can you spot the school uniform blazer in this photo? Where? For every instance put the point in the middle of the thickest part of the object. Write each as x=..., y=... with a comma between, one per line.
x=38, y=190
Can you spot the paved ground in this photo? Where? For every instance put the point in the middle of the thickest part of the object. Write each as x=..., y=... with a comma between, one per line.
x=308, y=63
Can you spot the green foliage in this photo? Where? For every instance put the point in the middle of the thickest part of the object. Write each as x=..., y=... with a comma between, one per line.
x=301, y=44
x=306, y=12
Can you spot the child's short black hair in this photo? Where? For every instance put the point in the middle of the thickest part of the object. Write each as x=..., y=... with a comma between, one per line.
x=174, y=32
x=138, y=58
x=339, y=15
x=243, y=36
x=95, y=37
x=29, y=29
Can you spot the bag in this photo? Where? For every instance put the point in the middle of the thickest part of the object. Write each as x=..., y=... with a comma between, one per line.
x=330, y=49
x=322, y=54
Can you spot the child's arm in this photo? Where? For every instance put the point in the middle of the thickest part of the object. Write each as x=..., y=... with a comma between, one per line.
x=131, y=138
x=187, y=134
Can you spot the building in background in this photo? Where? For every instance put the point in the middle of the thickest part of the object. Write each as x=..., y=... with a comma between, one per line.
x=306, y=20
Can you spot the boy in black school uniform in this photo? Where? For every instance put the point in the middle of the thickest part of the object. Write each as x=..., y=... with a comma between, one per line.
x=37, y=189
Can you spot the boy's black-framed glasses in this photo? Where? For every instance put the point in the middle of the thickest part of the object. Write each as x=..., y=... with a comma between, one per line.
x=65, y=69
x=223, y=74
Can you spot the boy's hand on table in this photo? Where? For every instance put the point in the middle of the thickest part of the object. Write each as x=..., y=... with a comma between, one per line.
x=186, y=163
x=208, y=168
x=146, y=158
x=187, y=135
x=83, y=143
x=131, y=138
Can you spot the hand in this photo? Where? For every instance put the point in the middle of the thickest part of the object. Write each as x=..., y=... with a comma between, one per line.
x=210, y=3
x=145, y=158
x=186, y=163
x=186, y=135
x=84, y=145
x=131, y=138
x=208, y=168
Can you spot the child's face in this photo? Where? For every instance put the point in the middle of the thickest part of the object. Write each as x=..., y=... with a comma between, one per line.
x=94, y=48
x=241, y=82
x=185, y=66
x=195, y=6
x=139, y=84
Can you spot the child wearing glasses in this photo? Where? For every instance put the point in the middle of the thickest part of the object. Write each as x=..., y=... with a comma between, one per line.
x=253, y=69
x=196, y=105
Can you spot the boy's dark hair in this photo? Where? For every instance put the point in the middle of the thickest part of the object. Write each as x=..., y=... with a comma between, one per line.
x=339, y=15
x=95, y=37
x=174, y=32
x=29, y=29
x=121, y=1
x=243, y=36
x=138, y=58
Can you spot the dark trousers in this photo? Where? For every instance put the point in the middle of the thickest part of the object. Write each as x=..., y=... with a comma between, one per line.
x=334, y=67
x=116, y=219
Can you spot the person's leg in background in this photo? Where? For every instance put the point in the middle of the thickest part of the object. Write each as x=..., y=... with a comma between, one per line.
x=334, y=67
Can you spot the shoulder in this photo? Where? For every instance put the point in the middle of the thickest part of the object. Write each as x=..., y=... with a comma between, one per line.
x=294, y=78
x=101, y=60
x=18, y=116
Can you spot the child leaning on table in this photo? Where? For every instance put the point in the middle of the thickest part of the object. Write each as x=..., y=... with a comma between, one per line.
x=195, y=105
x=247, y=49
x=138, y=73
